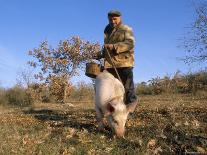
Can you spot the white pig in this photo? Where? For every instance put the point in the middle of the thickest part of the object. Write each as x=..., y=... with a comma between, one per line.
x=109, y=102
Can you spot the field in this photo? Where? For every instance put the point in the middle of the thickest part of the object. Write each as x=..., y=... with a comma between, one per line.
x=174, y=124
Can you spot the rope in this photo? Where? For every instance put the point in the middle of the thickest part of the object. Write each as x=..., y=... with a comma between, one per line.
x=115, y=71
x=114, y=66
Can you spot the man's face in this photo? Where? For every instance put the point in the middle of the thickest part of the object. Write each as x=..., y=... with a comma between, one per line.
x=114, y=21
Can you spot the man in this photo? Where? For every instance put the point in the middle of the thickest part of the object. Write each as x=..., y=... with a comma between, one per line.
x=119, y=52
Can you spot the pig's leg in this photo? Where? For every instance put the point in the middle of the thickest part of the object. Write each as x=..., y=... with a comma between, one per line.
x=99, y=118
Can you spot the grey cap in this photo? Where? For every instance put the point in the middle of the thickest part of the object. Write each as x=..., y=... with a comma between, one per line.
x=114, y=13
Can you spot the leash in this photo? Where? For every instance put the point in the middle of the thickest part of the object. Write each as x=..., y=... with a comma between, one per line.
x=113, y=65
x=116, y=71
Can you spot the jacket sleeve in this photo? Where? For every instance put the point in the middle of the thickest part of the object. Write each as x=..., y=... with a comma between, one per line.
x=128, y=43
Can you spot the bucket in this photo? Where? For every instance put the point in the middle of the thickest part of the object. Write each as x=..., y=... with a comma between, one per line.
x=92, y=69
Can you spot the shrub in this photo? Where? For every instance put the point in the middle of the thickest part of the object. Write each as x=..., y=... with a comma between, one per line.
x=143, y=89
x=18, y=96
x=82, y=92
x=3, y=99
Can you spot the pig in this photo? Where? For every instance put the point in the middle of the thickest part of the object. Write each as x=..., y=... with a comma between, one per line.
x=109, y=103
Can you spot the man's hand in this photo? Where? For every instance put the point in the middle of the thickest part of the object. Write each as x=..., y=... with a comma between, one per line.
x=109, y=47
x=98, y=55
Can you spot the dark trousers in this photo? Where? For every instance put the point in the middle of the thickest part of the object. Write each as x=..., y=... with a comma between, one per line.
x=126, y=75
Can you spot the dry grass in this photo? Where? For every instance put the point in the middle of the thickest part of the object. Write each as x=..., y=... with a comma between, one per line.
x=172, y=124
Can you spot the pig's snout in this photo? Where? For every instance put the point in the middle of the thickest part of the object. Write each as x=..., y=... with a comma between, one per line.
x=119, y=132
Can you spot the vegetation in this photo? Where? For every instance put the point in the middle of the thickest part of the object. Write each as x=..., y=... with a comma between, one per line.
x=55, y=66
x=192, y=83
x=170, y=119
x=180, y=83
x=16, y=96
x=162, y=124
x=195, y=40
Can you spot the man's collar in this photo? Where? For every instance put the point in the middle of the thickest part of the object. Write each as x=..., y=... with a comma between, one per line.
x=116, y=26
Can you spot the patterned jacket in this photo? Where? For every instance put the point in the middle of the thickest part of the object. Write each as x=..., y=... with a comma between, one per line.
x=123, y=40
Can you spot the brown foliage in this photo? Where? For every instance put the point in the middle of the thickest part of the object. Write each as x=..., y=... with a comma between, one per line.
x=17, y=96
x=57, y=65
x=59, y=88
x=82, y=92
x=179, y=83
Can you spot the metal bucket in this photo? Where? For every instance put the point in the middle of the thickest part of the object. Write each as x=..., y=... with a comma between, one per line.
x=92, y=69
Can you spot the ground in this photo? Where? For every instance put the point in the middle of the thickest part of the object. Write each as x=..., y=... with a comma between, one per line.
x=167, y=124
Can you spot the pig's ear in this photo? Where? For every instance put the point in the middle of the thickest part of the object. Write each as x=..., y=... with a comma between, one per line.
x=131, y=107
x=110, y=108
x=111, y=105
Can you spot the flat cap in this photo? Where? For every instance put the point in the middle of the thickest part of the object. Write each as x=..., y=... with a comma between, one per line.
x=114, y=13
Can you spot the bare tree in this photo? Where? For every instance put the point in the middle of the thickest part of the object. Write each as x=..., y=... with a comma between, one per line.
x=195, y=40
x=25, y=77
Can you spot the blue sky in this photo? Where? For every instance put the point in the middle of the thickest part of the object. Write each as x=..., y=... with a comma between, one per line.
x=158, y=25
